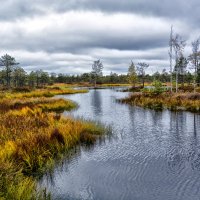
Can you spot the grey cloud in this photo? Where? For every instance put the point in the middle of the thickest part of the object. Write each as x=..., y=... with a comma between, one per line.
x=78, y=42
x=142, y=34
x=183, y=10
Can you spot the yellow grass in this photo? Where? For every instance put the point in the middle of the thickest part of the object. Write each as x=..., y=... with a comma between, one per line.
x=45, y=104
x=49, y=92
x=32, y=137
x=30, y=140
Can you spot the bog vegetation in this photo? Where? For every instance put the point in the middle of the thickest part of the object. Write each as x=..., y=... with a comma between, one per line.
x=34, y=134
x=165, y=100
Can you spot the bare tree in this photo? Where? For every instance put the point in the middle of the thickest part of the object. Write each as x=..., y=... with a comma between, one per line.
x=171, y=55
x=97, y=68
x=194, y=58
x=141, y=70
x=178, y=46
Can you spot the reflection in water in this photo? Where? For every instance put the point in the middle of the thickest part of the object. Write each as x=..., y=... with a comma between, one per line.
x=152, y=156
x=175, y=154
x=96, y=102
x=195, y=126
x=184, y=150
x=195, y=148
x=61, y=165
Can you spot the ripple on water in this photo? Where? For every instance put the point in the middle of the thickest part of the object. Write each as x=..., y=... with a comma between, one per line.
x=152, y=155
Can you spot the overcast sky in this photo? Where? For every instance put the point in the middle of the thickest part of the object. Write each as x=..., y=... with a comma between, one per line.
x=66, y=36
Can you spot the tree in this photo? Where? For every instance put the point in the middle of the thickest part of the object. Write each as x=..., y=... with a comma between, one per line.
x=132, y=75
x=85, y=77
x=97, y=68
x=112, y=78
x=165, y=76
x=180, y=68
x=194, y=59
x=61, y=78
x=3, y=77
x=8, y=63
x=141, y=70
x=198, y=74
x=52, y=78
x=189, y=77
x=19, y=77
x=32, y=77
x=157, y=76
x=44, y=78
x=178, y=46
x=171, y=55
x=38, y=77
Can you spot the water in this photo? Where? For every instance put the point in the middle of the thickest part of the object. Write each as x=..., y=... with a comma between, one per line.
x=151, y=156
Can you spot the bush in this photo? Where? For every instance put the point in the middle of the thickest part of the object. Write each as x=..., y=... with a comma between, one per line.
x=158, y=88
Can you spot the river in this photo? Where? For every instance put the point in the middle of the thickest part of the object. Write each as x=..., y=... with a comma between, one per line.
x=151, y=155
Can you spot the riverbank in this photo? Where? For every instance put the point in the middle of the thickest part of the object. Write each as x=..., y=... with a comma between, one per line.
x=32, y=136
x=165, y=100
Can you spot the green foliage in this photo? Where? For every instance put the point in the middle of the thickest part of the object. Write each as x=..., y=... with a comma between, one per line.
x=157, y=84
x=7, y=62
x=132, y=75
x=158, y=88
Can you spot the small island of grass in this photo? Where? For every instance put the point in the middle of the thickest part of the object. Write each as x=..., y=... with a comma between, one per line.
x=160, y=97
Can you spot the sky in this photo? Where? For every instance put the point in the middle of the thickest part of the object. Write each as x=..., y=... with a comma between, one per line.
x=66, y=36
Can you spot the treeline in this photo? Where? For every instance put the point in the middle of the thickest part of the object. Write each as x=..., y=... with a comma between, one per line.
x=136, y=75
x=12, y=75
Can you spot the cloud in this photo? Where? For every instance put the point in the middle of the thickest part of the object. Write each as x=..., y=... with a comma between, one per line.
x=187, y=10
x=77, y=30
x=66, y=36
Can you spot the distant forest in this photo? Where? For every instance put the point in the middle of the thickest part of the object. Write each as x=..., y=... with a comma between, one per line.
x=12, y=75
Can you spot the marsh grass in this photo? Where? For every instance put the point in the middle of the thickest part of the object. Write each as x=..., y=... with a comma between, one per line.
x=30, y=141
x=48, y=92
x=45, y=104
x=165, y=100
x=33, y=135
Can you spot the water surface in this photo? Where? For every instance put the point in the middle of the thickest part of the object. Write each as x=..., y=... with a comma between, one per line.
x=151, y=156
